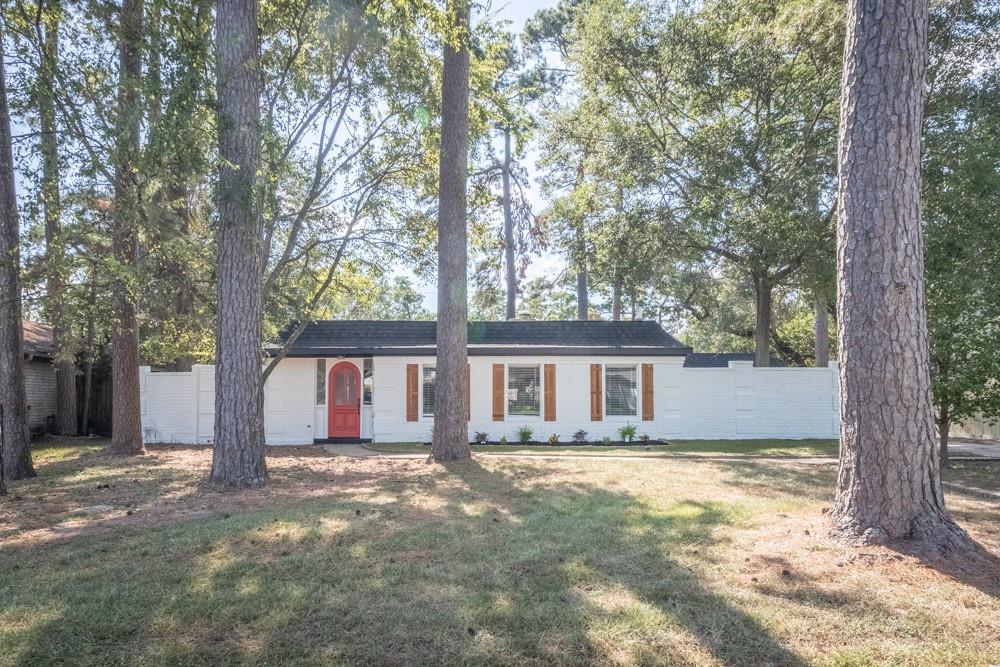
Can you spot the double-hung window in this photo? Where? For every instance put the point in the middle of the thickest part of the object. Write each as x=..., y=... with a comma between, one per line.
x=429, y=393
x=620, y=391
x=524, y=390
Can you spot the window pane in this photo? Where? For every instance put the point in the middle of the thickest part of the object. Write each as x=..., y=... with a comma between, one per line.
x=620, y=390
x=320, y=381
x=346, y=387
x=368, y=381
x=430, y=379
x=524, y=389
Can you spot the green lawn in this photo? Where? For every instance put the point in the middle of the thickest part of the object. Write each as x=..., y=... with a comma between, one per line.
x=495, y=561
x=791, y=448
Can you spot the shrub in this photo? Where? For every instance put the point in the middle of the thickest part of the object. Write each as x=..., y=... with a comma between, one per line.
x=644, y=437
x=580, y=436
x=524, y=434
x=627, y=432
x=554, y=439
x=481, y=438
x=606, y=440
x=503, y=440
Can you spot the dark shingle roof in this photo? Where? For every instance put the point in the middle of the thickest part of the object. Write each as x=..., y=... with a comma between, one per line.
x=722, y=359
x=368, y=337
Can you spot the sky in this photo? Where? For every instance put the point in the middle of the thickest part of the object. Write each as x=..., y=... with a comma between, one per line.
x=548, y=264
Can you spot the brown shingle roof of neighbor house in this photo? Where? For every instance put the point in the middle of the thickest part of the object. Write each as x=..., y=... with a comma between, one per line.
x=534, y=337
x=38, y=340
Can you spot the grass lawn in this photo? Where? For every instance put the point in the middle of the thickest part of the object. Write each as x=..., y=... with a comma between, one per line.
x=804, y=448
x=491, y=561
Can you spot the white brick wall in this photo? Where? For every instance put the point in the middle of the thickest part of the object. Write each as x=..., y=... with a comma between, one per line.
x=697, y=403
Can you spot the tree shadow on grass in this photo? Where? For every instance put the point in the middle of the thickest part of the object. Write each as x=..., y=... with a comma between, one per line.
x=467, y=565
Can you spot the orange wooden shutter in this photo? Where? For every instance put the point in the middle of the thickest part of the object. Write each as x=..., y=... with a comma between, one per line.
x=468, y=392
x=647, y=392
x=412, y=389
x=550, y=392
x=596, y=397
x=498, y=410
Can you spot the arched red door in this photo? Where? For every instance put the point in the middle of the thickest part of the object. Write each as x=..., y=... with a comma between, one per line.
x=344, y=401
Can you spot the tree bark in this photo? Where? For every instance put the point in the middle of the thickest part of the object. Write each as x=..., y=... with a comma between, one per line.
x=889, y=485
x=15, y=452
x=55, y=254
x=238, y=453
x=451, y=429
x=88, y=366
x=616, y=300
x=762, y=316
x=821, y=330
x=508, y=231
x=126, y=420
x=944, y=431
x=582, y=297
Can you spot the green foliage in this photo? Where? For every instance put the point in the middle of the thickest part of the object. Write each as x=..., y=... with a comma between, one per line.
x=554, y=439
x=524, y=434
x=962, y=212
x=580, y=436
x=627, y=432
x=481, y=437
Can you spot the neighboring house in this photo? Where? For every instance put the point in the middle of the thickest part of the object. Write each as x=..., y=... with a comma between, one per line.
x=376, y=380
x=39, y=376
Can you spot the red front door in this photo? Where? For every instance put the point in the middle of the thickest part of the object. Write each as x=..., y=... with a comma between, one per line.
x=344, y=401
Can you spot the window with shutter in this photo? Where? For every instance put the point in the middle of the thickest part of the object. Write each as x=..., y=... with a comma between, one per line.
x=524, y=390
x=620, y=391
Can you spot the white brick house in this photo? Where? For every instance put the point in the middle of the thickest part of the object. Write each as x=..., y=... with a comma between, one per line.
x=363, y=380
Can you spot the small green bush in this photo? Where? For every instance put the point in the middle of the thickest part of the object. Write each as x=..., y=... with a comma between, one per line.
x=580, y=436
x=481, y=438
x=554, y=439
x=606, y=440
x=627, y=432
x=503, y=440
x=524, y=434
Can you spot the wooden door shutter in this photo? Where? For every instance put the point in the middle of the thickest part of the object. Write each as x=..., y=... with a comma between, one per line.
x=498, y=396
x=647, y=392
x=550, y=392
x=596, y=394
x=412, y=389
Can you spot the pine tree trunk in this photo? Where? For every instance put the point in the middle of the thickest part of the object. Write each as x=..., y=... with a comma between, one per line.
x=889, y=485
x=451, y=430
x=508, y=231
x=88, y=366
x=15, y=453
x=616, y=301
x=821, y=330
x=238, y=454
x=55, y=256
x=762, y=327
x=582, y=297
x=126, y=421
x=944, y=431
